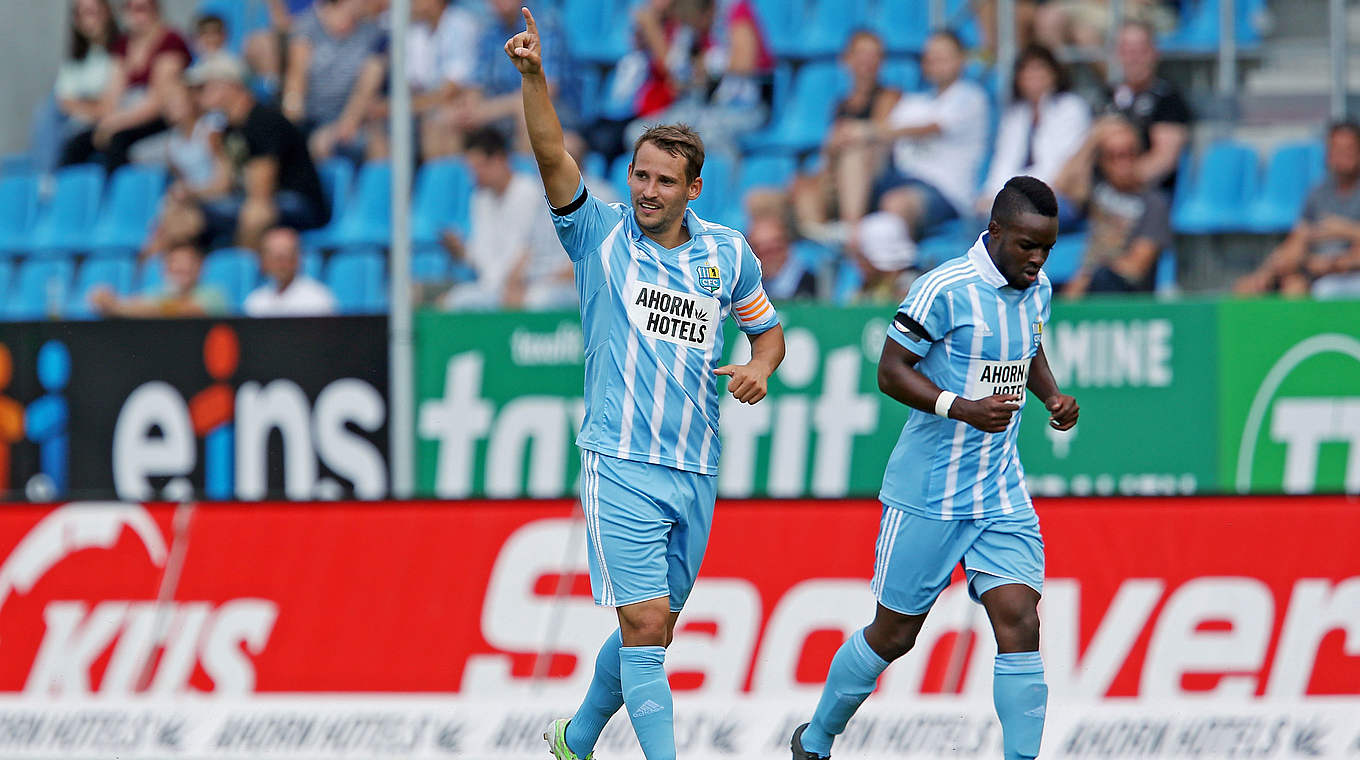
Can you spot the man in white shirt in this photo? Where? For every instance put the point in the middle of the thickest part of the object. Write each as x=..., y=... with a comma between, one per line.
x=289, y=293
x=938, y=141
x=512, y=245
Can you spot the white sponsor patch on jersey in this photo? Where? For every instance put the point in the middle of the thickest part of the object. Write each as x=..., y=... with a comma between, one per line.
x=988, y=378
x=686, y=319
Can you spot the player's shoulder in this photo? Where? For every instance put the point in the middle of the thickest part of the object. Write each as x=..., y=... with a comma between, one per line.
x=940, y=281
x=1045, y=286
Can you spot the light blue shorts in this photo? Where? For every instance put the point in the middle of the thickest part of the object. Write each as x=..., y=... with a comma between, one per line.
x=647, y=528
x=915, y=557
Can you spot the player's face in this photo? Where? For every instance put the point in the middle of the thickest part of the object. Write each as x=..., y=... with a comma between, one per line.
x=1022, y=247
x=659, y=190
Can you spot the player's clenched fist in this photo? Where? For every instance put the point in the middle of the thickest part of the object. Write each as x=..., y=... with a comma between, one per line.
x=1062, y=411
x=748, y=383
x=990, y=415
x=524, y=49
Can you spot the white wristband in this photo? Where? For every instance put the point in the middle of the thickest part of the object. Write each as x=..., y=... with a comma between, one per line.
x=943, y=402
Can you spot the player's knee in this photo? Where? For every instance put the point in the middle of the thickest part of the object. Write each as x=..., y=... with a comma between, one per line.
x=1017, y=629
x=644, y=627
x=890, y=641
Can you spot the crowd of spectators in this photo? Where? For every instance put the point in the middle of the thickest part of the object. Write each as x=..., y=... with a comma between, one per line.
x=243, y=137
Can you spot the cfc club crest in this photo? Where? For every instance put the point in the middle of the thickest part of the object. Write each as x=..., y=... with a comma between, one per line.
x=1038, y=333
x=708, y=278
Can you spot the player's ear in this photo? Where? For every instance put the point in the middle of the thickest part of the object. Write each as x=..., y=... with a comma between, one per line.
x=993, y=228
x=696, y=187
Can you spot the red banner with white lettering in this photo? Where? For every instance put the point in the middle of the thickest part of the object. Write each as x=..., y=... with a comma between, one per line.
x=1144, y=598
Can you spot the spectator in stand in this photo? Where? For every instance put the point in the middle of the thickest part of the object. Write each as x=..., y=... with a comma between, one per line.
x=77, y=101
x=266, y=50
x=512, y=248
x=851, y=153
x=210, y=36
x=440, y=50
x=184, y=294
x=1087, y=23
x=274, y=181
x=938, y=140
x=1153, y=105
x=289, y=292
x=1130, y=221
x=330, y=46
x=198, y=163
x=148, y=62
x=1322, y=252
x=769, y=232
x=1042, y=129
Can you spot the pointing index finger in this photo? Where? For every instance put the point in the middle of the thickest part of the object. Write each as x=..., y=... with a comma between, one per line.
x=529, y=25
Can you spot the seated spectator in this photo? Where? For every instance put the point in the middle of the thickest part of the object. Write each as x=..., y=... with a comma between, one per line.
x=938, y=140
x=77, y=100
x=184, y=295
x=273, y=179
x=198, y=164
x=1129, y=221
x=148, y=62
x=1042, y=129
x=512, y=248
x=1087, y=23
x=210, y=36
x=266, y=50
x=440, y=49
x=1322, y=252
x=769, y=232
x=289, y=292
x=1153, y=105
x=851, y=153
x=322, y=90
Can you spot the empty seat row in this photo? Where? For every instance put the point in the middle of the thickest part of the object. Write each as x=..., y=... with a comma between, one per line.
x=1224, y=190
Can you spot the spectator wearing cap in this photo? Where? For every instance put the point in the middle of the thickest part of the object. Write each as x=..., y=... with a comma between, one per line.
x=289, y=292
x=274, y=179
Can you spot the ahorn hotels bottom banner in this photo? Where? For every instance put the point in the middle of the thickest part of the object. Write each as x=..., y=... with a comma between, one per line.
x=1192, y=627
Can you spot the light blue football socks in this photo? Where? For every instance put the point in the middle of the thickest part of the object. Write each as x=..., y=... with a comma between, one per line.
x=647, y=696
x=603, y=699
x=1021, y=698
x=854, y=671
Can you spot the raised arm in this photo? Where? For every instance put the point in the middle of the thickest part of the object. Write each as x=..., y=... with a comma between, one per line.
x=561, y=176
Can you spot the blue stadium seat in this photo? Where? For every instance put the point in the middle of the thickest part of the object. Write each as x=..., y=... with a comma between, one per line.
x=337, y=177
x=65, y=223
x=129, y=210
x=524, y=163
x=595, y=165
x=618, y=173
x=16, y=163
x=430, y=265
x=1288, y=178
x=903, y=26
x=1065, y=258
x=597, y=31
x=313, y=262
x=40, y=289
x=150, y=278
x=440, y=200
x=782, y=22
x=18, y=209
x=358, y=278
x=902, y=73
x=6, y=273
x=1197, y=30
x=801, y=125
x=242, y=17
x=828, y=26
x=1223, y=184
x=715, y=200
x=764, y=171
x=942, y=243
x=233, y=271
x=367, y=218
x=112, y=271
x=1164, y=283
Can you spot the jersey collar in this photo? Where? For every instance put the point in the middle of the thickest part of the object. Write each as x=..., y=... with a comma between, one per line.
x=696, y=226
x=982, y=262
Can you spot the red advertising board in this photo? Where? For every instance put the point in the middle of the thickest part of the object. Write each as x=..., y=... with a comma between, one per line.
x=1245, y=602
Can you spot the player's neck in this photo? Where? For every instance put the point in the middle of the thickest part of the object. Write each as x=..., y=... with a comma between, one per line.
x=672, y=238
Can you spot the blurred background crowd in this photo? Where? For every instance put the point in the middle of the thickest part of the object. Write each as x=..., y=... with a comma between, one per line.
x=239, y=163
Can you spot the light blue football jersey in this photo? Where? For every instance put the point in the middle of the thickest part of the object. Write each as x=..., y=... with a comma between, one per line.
x=652, y=320
x=981, y=335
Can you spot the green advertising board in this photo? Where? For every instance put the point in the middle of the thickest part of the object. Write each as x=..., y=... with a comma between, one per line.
x=1193, y=397
x=1290, y=398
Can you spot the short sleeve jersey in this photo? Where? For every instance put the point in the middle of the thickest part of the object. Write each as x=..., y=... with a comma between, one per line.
x=652, y=319
x=976, y=336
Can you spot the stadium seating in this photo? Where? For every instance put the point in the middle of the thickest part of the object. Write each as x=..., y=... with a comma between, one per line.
x=129, y=210
x=597, y=30
x=715, y=200
x=430, y=265
x=18, y=209
x=1218, y=190
x=902, y=73
x=1065, y=258
x=358, y=278
x=802, y=123
x=367, y=218
x=440, y=200
x=40, y=289
x=115, y=271
x=233, y=271
x=337, y=177
x=1293, y=170
x=764, y=171
x=1198, y=30
x=828, y=26
x=242, y=17
x=65, y=222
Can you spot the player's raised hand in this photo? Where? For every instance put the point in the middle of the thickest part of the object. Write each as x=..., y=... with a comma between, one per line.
x=524, y=48
x=748, y=384
x=990, y=415
x=1062, y=411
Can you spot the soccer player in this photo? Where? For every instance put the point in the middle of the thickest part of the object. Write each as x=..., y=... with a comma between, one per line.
x=964, y=346
x=655, y=283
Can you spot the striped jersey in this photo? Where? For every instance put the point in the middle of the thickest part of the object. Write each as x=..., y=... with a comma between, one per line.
x=980, y=335
x=652, y=319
